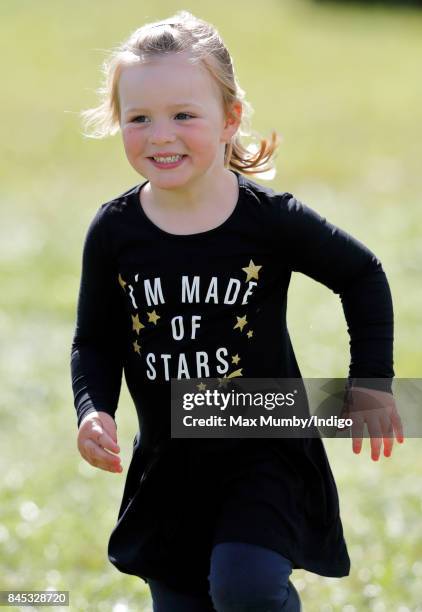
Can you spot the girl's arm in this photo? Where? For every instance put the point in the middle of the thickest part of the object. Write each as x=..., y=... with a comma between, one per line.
x=339, y=261
x=331, y=256
x=96, y=352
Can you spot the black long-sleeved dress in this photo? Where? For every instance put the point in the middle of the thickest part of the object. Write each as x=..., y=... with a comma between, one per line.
x=141, y=290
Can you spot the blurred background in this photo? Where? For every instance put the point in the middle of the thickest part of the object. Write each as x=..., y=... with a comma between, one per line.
x=340, y=82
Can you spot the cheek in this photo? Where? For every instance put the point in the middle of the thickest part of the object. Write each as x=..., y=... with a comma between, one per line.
x=203, y=139
x=132, y=140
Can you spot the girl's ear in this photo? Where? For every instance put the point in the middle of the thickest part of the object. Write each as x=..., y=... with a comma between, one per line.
x=233, y=119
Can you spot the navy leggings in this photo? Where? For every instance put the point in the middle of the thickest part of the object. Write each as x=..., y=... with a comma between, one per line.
x=243, y=578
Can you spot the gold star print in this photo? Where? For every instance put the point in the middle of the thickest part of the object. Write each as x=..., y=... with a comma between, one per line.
x=122, y=282
x=137, y=347
x=153, y=317
x=252, y=271
x=137, y=325
x=235, y=359
x=250, y=333
x=235, y=373
x=201, y=387
x=241, y=322
x=223, y=382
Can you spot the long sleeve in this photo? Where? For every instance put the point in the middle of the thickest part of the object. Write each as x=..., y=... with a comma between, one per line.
x=336, y=259
x=96, y=352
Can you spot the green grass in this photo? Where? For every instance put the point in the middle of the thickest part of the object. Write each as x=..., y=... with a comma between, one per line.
x=340, y=83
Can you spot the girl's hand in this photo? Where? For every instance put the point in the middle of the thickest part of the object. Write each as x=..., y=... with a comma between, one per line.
x=378, y=410
x=97, y=433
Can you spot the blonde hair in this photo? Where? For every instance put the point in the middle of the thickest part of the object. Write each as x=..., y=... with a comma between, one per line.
x=182, y=32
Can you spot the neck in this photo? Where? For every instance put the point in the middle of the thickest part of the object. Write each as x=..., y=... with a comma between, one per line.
x=210, y=187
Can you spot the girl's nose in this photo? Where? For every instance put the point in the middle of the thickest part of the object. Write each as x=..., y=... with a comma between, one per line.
x=162, y=132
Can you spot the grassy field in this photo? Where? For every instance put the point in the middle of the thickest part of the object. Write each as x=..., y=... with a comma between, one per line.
x=340, y=83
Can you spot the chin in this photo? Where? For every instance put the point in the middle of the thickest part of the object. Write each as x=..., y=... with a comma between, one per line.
x=170, y=182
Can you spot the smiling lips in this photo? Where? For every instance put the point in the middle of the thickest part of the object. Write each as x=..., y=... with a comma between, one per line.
x=167, y=160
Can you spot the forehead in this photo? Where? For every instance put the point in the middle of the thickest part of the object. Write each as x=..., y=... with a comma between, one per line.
x=166, y=79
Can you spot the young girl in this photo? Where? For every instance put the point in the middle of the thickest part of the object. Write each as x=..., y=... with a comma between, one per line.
x=210, y=524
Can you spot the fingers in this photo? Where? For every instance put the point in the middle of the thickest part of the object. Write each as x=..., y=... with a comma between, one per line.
x=387, y=428
x=375, y=430
x=381, y=429
x=98, y=457
x=378, y=433
x=357, y=433
x=390, y=425
x=379, y=411
x=397, y=425
x=97, y=446
x=102, y=438
x=376, y=444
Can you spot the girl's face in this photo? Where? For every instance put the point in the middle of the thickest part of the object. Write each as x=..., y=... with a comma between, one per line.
x=172, y=121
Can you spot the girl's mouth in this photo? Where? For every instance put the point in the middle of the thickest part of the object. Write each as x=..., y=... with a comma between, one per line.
x=173, y=161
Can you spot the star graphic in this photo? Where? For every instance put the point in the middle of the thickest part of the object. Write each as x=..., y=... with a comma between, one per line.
x=223, y=382
x=250, y=333
x=122, y=282
x=137, y=325
x=252, y=271
x=241, y=322
x=235, y=373
x=137, y=347
x=201, y=387
x=153, y=317
x=235, y=359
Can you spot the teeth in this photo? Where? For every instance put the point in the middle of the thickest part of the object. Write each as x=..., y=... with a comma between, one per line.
x=168, y=160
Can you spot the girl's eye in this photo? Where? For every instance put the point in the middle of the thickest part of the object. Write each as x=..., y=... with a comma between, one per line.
x=134, y=119
x=144, y=118
x=185, y=115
